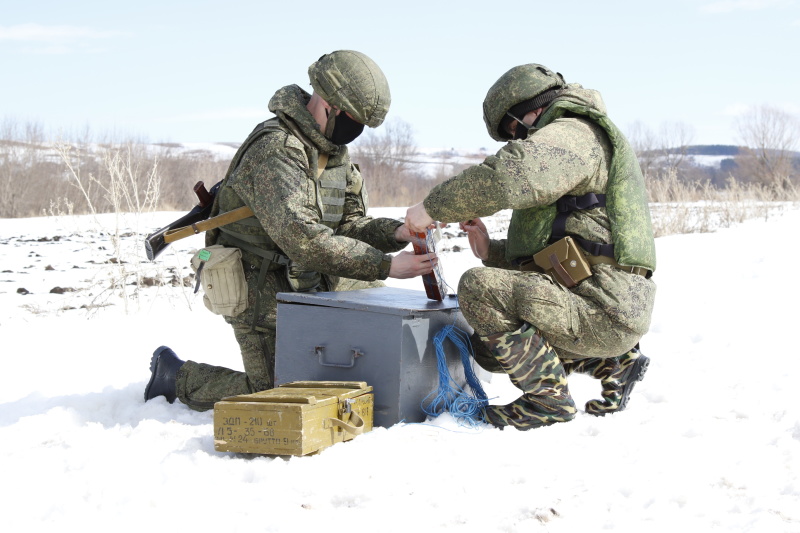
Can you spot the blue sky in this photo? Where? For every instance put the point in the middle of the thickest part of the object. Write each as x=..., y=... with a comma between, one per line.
x=204, y=71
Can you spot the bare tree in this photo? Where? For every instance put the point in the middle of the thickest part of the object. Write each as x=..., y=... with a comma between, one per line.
x=644, y=144
x=385, y=158
x=676, y=137
x=662, y=153
x=770, y=136
x=26, y=166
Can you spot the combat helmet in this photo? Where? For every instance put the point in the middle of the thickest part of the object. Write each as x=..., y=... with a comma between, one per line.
x=352, y=82
x=528, y=86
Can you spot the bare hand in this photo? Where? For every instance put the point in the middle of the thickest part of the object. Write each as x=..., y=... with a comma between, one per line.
x=403, y=234
x=418, y=219
x=478, y=237
x=408, y=265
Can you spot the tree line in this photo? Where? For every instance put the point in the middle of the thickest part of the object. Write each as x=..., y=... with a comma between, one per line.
x=83, y=174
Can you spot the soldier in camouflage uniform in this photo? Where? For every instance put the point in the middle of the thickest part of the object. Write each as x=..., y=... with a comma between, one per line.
x=566, y=170
x=310, y=230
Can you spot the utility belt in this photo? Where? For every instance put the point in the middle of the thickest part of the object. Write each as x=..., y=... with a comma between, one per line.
x=229, y=302
x=568, y=264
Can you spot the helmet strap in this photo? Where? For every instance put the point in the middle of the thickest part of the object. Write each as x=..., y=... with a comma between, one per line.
x=331, y=113
x=523, y=130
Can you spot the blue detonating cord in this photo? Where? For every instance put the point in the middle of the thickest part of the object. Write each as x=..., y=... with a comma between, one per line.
x=450, y=396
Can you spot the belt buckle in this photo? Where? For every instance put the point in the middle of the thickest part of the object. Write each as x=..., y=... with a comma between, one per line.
x=641, y=271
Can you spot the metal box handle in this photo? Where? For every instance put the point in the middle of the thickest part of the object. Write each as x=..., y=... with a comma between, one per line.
x=320, y=351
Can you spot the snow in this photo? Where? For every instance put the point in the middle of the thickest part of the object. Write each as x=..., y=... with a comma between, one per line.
x=709, y=160
x=710, y=440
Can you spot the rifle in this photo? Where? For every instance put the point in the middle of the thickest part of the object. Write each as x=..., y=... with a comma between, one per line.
x=155, y=243
x=193, y=222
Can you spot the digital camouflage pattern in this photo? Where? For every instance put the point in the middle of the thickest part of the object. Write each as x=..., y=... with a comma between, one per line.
x=515, y=86
x=318, y=223
x=617, y=377
x=604, y=316
x=575, y=150
x=352, y=82
x=566, y=156
x=200, y=385
x=626, y=196
x=534, y=368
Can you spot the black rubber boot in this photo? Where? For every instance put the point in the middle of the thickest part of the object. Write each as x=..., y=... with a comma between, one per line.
x=164, y=371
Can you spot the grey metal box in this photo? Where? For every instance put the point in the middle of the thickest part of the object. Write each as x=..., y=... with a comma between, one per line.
x=383, y=336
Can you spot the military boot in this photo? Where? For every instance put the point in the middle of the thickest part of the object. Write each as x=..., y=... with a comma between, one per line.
x=164, y=367
x=535, y=369
x=617, y=376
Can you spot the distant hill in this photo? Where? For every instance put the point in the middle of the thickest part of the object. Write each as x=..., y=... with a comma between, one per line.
x=713, y=149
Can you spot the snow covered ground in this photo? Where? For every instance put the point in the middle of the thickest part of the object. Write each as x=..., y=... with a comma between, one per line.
x=710, y=441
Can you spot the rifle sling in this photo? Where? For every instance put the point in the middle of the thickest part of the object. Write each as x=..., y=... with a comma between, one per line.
x=209, y=224
x=226, y=218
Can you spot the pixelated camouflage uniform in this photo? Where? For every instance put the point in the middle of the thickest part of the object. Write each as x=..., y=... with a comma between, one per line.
x=318, y=223
x=570, y=154
x=606, y=314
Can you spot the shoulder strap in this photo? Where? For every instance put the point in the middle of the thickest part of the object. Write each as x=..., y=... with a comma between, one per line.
x=568, y=204
x=322, y=162
x=242, y=212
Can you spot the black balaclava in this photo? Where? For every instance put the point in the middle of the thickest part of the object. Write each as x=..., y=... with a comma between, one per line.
x=341, y=129
x=519, y=111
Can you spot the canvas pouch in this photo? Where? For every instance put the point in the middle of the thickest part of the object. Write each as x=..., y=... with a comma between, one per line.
x=220, y=272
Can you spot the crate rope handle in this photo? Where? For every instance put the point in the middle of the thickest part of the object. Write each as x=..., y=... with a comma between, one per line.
x=356, y=429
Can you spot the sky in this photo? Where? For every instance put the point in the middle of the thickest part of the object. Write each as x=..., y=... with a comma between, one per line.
x=204, y=71
x=709, y=442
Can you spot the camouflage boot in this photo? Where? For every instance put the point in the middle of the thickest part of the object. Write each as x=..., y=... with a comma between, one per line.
x=617, y=376
x=534, y=368
x=483, y=356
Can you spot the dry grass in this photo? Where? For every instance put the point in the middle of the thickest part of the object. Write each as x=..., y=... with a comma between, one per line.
x=689, y=207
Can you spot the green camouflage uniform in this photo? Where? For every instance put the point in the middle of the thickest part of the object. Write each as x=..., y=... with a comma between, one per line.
x=606, y=314
x=528, y=326
x=318, y=223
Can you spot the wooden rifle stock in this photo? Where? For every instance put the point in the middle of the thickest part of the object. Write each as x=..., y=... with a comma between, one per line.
x=155, y=243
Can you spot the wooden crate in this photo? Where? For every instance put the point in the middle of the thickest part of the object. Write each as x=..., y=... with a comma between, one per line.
x=297, y=418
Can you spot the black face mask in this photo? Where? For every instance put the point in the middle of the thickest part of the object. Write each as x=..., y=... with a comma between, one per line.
x=345, y=129
x=523, y=129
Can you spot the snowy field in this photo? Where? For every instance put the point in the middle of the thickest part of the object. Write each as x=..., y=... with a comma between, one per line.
x=710, y=441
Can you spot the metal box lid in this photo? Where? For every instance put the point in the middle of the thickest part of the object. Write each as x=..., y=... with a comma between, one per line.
x=387, y=300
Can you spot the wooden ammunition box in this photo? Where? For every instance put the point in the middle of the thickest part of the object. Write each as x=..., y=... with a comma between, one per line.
x=296, y=418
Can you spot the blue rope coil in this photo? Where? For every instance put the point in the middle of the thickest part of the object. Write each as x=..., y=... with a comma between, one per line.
x=465, y=406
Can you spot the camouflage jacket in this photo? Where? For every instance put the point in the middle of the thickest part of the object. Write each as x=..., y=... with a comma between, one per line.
x=317, y=222
x=570, y=155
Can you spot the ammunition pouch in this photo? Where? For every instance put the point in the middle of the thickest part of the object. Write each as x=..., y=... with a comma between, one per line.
x=219, y=270
x=568, y=264
x=563, y=260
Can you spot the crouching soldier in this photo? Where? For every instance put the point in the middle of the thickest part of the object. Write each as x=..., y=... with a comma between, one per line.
x=569, y=289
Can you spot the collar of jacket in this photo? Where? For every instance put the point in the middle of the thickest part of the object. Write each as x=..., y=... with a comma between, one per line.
x=289, y=105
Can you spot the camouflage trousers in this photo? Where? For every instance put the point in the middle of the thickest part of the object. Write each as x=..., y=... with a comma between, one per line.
x=200, y=385
x=604, y=316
